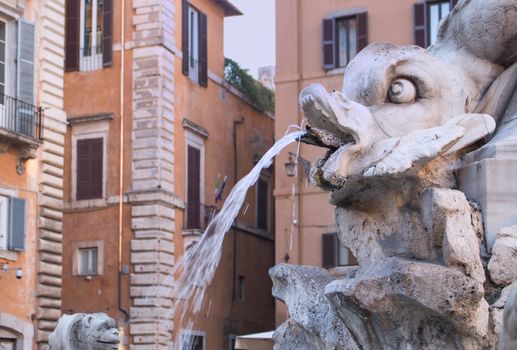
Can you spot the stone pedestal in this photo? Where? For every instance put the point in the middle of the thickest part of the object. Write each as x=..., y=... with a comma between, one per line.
x=489, y=174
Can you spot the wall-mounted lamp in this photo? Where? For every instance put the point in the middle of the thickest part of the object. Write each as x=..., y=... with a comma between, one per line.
x=6, y=268
x=290, y=165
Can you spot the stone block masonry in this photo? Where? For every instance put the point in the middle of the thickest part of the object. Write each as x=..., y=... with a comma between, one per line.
x=49, y=75
x=152, y=198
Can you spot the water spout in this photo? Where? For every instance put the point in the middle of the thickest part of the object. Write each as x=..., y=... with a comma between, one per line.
x=193, y=273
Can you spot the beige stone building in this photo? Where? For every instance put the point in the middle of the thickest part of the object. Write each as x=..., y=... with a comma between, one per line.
x=32, y=128
x=314, y=42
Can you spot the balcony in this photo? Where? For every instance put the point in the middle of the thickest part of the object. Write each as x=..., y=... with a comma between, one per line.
x=197, y=217
x=21, y=129
x=20, y=121
x=91, y=58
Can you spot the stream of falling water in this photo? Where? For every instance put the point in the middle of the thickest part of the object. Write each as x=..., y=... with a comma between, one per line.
x=192, y=274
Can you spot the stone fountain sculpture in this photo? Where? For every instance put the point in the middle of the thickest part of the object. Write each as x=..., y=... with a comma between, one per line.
x=404, y=125
x=85, y=332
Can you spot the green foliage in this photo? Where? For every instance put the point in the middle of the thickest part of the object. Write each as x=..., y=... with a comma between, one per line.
x=260, y=96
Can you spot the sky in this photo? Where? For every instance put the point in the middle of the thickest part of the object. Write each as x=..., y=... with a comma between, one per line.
x=250, y=39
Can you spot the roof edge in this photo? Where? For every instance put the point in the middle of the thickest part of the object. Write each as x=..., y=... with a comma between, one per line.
x=229, y=8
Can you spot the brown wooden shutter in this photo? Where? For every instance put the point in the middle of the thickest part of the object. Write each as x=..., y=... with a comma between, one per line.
x=184, y=36
x=72, y=23
x=420, y=25
x=89, y=168
x=329, y=244
x=193, y=187
x=362, y=31
x=107, y=34
x=329, y=50
x=203, y=48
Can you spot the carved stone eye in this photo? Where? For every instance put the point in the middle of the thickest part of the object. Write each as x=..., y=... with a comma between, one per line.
x=402, y=91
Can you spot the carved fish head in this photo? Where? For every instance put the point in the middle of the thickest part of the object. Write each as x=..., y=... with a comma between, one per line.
x=395, y=95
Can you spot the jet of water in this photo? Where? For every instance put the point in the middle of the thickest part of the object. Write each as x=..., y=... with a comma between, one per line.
x=193, y=273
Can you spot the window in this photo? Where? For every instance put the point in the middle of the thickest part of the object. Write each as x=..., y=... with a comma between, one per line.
x=88, y=261
x=87, y=258
x=242, y=288
x=427, y=17
x=89, y=34
x=90, y=158
x=89, y=168
x=347, y=40
x=435, y=12
x=12, y=223
x=193, y=341
x=7, y=344
x=334, y=253
x=193, y=187
x=17, y=50
x=343, y=38
x=231, y=341
x=4, y=228
x=263, y=204
x=194, y=179
x=194, y=44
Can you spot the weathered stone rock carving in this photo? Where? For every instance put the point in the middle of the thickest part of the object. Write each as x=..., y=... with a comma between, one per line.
x=397, y=134
x=85, y=332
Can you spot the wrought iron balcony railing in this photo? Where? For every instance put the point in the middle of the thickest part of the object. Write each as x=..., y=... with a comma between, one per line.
x=198, y=215
x=91, y=58
x=21, y=117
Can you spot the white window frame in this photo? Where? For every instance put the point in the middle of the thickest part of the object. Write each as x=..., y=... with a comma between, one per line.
x=83, y=131
x=432, y=27
x=9, y=77
x=76, y=258
x=91, y=261
x=6, y=60
x=94, y=61
x=196, y=141
x=4, y=222
x=193, y=43
x=4, y=252
x=265, y=178
x=185, y=332
x=349, y=55
x=344, y=255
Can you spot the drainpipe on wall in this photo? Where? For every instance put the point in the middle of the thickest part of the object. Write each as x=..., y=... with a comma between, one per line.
x=121, y=153
x=234, y=261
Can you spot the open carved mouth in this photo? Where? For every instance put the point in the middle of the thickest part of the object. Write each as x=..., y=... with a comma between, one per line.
x=110, y=344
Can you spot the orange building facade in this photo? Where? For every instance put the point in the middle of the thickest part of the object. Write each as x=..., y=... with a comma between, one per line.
x=154, y=131
x=32, y=128
x=314, y=42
